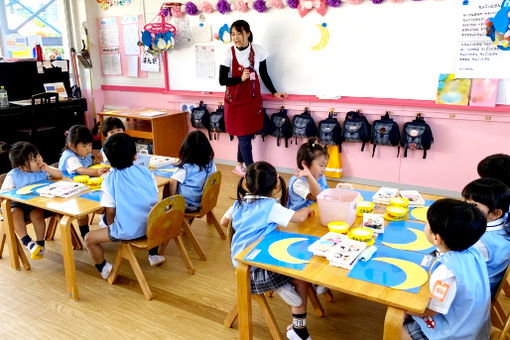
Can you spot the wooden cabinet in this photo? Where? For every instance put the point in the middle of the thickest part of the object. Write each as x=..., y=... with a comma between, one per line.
x=167, y=131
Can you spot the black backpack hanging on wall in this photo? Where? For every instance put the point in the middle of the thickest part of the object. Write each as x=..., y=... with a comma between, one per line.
x=303, y=125
x=330, y=132
x=267, y=127
x=217, y=121
x=416, y=135
x=385, y=131
x=200, y=118
x=281, y=126
x=356, y=128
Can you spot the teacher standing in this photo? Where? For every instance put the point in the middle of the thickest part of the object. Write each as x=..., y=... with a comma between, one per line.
x=240, y=70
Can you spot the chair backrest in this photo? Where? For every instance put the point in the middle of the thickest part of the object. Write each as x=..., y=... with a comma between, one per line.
x=2, y=178
x=500, y=310
x=211, y=192
x=41, y=109
x=165, y=221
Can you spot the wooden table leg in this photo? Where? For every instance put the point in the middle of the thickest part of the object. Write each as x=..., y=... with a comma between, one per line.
x=9, y=232
x=67, y=252
x=244, y=301
x=393, y=323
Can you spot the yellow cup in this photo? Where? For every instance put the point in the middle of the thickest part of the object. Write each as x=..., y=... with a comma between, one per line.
x=395, y=213
x=338, y=227
x=399, y=202
x=81, y=179
x=364, y=207
x=362, y=234
x=95, y=182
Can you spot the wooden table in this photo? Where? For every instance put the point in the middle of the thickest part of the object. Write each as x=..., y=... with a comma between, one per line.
x=318, y=271
x=70, y=209
x=167, y=131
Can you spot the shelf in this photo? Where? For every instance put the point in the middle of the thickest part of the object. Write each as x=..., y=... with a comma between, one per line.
x=139, y=134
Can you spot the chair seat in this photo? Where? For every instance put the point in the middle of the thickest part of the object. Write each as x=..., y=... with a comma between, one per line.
x=140, y=243
x=195, y=214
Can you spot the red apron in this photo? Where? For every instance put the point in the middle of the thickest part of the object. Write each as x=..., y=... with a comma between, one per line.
x=243, y=102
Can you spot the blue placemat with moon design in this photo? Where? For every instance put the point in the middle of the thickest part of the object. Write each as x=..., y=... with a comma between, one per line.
x=395, y=268
x=93, y=195
x=428, y=203
x=405, y=235
x=26, y=192
x=283, y=249
x=166, y=171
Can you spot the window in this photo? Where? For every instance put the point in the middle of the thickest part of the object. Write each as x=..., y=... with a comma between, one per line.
x=25, y=23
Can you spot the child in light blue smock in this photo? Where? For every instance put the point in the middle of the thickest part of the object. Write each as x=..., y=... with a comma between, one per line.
x=194, y=168
x=128, y=194
x=76, y=160
x=460, y=292
x=309, y=181
x=109, y=127
x=255, y=214
x=493, y=198
x=28, y=168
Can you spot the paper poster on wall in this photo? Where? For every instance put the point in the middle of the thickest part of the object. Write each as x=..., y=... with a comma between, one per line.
x=204, y=56
x=201, y=33
x=111, y=64
x=130, y=33
x=149, y=63
x=477, y=56
x=108, y=32
x=484, y=92
x=133, y=66
x=183, y=37
x=452, y=90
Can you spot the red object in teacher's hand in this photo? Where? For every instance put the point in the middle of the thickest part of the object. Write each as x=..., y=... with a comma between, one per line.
x=243, y=102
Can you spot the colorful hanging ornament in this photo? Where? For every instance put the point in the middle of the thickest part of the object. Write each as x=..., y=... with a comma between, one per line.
x=207, y=7
x=191, y=8
x=334, y=3
x=223, y=6
x=223, y=34
x=276, y=4
x=306, y=6
x=377, y=2
x=324, y=37
x=293, y=3
x=241, y=6
x=498, y=28
x=355, y=2
x=259, y=6
x=177, y=13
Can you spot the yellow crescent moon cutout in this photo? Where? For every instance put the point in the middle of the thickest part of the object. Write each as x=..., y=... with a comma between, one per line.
x=420, y=213
x=420, y=243
x=416, y=276
x=28, y=189
x=324, y=37
x=278, y=250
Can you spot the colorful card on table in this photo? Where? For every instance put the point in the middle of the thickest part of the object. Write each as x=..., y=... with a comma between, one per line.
x=484, y=92
x=26, y=192
x=405, y=235
x=93, y=195
x=283, y=249
x=399, y=269
x=452, y=91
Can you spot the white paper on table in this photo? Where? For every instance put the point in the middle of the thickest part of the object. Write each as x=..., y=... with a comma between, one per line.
x=108, y=32
x=204, y=60
x=149, y=63
x=111, y=63
x=131, y=39
x=132, y=65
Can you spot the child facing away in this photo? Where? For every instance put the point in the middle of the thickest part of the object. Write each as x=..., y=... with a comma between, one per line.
x=492, y=197
x=194, y=168
x=309, y=181
x=28, y=168
x=255, y=214
x=128, y=194
x=76, y=160
x=459, y=283
x=110, y=126
x=495, y=166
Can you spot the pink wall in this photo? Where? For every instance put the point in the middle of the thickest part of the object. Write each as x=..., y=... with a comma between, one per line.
x=462, y=137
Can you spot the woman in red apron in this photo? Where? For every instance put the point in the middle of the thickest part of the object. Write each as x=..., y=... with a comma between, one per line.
x=240, y=70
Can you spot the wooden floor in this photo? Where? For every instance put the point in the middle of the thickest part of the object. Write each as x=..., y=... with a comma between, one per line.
x=34, y=304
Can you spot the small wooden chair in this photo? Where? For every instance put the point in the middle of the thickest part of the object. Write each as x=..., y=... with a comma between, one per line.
x=164, y=224
x=264, y=305
x=500, y=310
x=209, y=201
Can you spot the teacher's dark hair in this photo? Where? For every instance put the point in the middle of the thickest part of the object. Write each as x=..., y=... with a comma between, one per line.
x=241, y=25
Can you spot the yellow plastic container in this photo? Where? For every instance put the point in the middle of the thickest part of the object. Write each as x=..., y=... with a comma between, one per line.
x=364, y=207
x=338, y=227
x=395, y=213
x=81, y=179
x=95, y=182
x=362, y=234
x=399, y=202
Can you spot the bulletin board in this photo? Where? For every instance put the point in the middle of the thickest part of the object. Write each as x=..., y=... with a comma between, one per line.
x=390, y=50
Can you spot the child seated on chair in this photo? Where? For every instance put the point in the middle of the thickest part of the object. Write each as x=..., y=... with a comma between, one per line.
x=28, y=168
x=76, y=160
x=128, y=194
x=459, y=283
x=110, y=126
x=194, y=168
x=492, y=197
x=255, y=214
